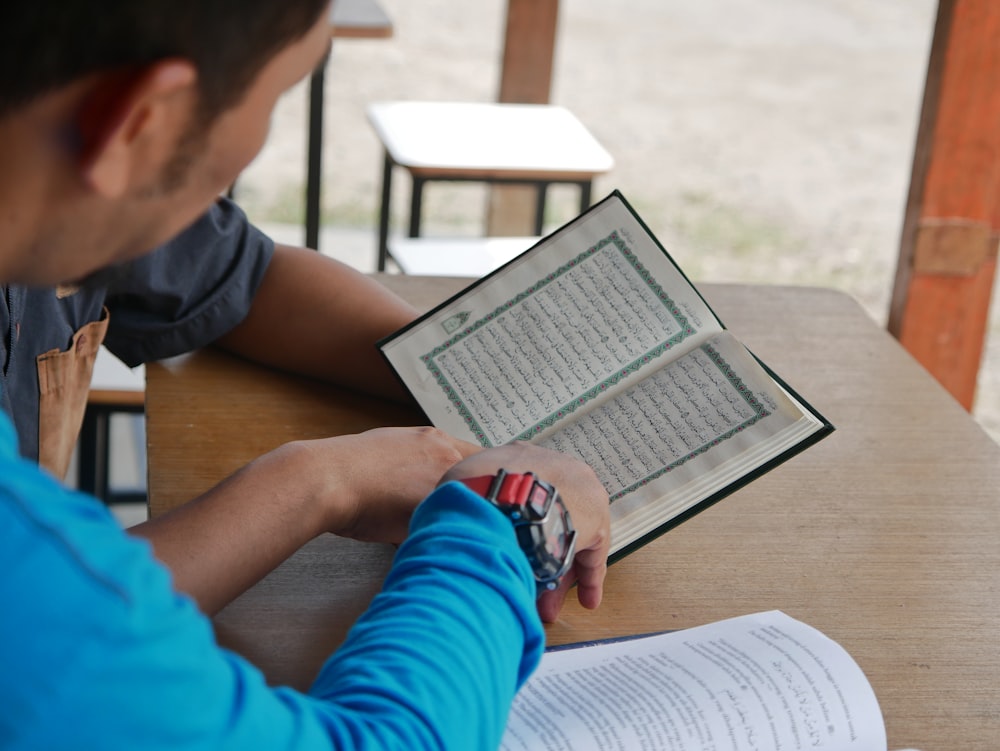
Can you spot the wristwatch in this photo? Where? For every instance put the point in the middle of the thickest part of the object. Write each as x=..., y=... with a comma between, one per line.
x=541, y=521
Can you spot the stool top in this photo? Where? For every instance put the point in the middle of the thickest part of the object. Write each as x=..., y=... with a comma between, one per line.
x=482, y=140
x=471, y=257
x=360, y=19
x=114, y=383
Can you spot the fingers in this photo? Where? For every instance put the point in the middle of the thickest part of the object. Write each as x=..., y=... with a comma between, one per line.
x=550, y=604
x=366, y=501
x=589, y=569
x=467, y=449
x=591, y=566
x=588, y=505
x=514, y=457
x=580, y=489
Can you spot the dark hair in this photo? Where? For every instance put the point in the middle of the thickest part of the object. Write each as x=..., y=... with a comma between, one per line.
x=47, y=44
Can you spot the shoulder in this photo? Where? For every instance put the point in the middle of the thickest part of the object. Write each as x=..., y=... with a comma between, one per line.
x=220, y=242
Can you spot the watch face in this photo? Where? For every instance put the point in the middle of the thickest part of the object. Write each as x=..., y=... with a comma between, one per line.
x=550, y=541
x=538, y=500
x=555, y=533
x=541, y=521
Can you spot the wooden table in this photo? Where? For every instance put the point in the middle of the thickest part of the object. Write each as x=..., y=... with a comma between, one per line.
x=886, y=535
x=349, y=19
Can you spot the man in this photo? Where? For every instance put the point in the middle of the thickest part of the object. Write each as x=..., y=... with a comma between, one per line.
x=288, y=306
x=185, y=295
x=119, y=124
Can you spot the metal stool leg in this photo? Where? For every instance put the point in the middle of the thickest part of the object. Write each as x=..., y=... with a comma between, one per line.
x=314, y=162
x=93, y=473
x=543, y=188
x=383, y=215
x=93, y=462
x=586, y=188
x=416, y=205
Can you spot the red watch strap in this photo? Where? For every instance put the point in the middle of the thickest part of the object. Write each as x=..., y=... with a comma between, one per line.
x=480, y=485
x=514, y=490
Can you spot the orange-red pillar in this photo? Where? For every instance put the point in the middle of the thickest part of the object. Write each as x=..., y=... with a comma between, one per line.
x=947, y=261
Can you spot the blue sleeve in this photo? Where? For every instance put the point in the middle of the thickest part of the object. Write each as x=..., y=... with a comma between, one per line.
x=464, y=635
x=190, y=291
x=98, y=652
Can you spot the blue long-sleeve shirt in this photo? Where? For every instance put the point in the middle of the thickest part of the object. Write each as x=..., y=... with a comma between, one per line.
x=97, y=651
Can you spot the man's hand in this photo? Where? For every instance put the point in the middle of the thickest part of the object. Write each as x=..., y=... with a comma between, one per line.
x=377, y=478
x=588, y=506
x=363, y=486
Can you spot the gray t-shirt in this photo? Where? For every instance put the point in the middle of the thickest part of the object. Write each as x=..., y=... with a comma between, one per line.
x=181, y=296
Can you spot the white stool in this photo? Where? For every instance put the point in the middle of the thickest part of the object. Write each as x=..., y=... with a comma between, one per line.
x=480, y=142
x=456, y=256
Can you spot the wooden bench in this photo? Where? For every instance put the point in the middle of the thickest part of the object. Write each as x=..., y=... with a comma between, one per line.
x=115, y=388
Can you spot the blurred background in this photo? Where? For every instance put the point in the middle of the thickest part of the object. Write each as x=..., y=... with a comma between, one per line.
x=767, y=141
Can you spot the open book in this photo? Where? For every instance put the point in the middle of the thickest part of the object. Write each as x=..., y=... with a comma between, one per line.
x=594, y=343
x=764, y=681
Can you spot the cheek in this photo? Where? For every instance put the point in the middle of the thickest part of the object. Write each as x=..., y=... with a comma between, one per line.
x=235, y=146
x=250, y=139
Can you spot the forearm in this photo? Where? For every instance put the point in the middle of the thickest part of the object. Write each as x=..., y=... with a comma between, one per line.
x=442, y=649
x=315, y=316
x=433, y=664
x=220, y=544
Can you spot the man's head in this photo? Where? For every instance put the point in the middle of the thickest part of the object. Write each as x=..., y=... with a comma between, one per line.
x=121, y=120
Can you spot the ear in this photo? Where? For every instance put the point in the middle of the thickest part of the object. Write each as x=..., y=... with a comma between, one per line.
x=130, y=122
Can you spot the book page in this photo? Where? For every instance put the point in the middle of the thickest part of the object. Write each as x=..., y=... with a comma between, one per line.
x=591, y=309
x=763, y=681
x=689, y=429
x=593, y=343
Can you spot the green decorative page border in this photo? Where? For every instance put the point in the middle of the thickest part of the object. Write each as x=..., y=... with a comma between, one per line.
x=617, y=242
x=759, y=413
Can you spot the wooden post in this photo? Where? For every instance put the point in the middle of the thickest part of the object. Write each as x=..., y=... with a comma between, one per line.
x=947, y=259
x=525, y=78
x=529, y=51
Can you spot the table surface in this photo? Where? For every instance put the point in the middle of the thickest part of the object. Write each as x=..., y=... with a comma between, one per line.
x=483, y=138
x=886, y=535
